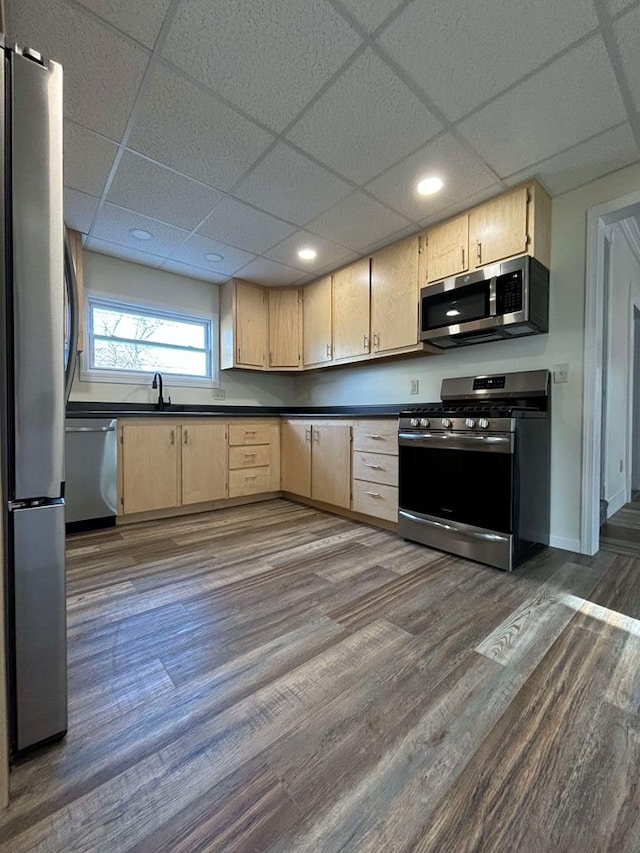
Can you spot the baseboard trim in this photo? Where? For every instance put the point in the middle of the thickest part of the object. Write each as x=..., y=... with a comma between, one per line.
x=346, y=513
x=616, y=502
x=565, y=543
x=193, y=509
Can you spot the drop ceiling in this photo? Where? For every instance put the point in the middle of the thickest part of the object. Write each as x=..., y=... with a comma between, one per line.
x=248, y=128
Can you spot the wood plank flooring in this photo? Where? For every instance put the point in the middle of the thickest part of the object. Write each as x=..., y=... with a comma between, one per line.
x=271, y=677
x=621, y=533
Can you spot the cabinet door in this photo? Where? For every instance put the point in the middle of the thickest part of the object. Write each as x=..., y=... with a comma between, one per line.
x=331, y=464
x=284, y=327
x=498, y=228
x=150, y=460
x=251, y=325
x=296, y=458
x=394, y=296
x=351, y=293
x=448, y=249
x=204, y=462
x=317, y=336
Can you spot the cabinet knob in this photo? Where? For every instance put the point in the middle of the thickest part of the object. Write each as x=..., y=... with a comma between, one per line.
x=186, y=436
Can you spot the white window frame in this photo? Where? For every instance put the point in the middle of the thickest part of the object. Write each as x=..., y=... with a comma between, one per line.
x=143, y=377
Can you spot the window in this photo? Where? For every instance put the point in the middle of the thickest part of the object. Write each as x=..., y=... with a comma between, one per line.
x=129, y=342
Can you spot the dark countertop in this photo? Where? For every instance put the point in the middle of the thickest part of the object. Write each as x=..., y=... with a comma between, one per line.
x=137, y=410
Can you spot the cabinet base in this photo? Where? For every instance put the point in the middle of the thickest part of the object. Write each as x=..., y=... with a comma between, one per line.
x=192, y=509
x=338, y=510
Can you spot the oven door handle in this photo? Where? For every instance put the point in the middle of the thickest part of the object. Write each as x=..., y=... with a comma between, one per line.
x=452, y=527
x=485, y=443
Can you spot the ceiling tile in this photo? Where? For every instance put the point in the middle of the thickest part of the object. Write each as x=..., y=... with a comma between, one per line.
x=611, y=150
x=264, y=271
x=193, y=272
x=571, y=99
x=463, y=53
x=148, y=188
x=87, y=159
x=267, y=56
x=102, y=69
x=184, y=127
x=367, y=102
x=389, y=239
x=462, y=204
x=292, y=186
x=104, y=247
x=328, y=252
x=193, y=252
x=371, y=13
x=140, y=20
x=237, y=224
x=626, y=31
x=462, y=173
x=616, y=6
x=358, y=221
x=115, y=223
x=79, y=210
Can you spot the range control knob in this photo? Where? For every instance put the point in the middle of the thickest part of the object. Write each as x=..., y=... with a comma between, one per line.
x=483, y=423
x=424, y=422
x=414, y=422
x=470, y=423
x=446, y=423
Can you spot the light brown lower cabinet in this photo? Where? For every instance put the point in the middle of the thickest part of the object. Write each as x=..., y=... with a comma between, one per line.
x=375, y=468
x=254, y=458
x=150, y=464
x=204, y=462
x=316, y=461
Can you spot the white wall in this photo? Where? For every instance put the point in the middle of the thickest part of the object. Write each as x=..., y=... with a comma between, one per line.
x=136, y=282
x=624, y=291
x=563, y=345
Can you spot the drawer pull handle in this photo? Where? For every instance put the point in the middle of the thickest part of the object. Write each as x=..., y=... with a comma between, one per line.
x=373, y=435
x=250, y=432
x=251, y=478
x=250, y=455
x=375, y=467
x=373, y=494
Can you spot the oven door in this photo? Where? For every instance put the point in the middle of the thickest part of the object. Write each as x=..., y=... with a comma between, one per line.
x=459, y=477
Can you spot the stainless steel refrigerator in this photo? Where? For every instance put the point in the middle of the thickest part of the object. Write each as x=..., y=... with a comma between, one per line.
x=37, y=351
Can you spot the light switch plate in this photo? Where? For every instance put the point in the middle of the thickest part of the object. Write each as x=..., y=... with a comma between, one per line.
x=415, y=386
x=560, y=373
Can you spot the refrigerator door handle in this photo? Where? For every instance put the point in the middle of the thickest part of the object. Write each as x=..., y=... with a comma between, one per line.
x=71, y=285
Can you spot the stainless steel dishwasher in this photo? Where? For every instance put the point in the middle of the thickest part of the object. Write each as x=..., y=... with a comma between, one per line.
x=91, y=490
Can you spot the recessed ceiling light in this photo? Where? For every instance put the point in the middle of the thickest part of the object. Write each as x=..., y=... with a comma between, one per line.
x=214, y=257
x=429, y=186
x=140, y=234
x=307, y=254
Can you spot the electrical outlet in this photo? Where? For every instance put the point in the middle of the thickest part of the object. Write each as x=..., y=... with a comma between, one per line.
x=415, y=386
x=219, y=394
x=560, y=373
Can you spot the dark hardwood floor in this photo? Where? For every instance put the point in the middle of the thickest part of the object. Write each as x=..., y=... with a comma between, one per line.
x=621, y=533
x=271, y=677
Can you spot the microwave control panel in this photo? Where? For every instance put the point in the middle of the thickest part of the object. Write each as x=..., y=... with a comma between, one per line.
x=509, y=293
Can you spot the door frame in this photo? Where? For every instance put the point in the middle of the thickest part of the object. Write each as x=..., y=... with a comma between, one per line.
x=634, y=381
x=598, y=218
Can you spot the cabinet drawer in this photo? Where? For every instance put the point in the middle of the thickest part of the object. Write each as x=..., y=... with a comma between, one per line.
x=252, y=456
x=375, y=499
x=376, y=436
x=375, y=467
x=249, y=481
x=242, y=434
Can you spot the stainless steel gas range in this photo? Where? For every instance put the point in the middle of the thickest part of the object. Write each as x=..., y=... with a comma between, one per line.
x=475, y=468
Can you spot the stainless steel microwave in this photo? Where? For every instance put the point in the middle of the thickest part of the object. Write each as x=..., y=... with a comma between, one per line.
x=504, y=300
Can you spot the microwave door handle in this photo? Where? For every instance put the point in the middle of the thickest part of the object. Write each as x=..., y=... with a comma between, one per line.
x=492, y=296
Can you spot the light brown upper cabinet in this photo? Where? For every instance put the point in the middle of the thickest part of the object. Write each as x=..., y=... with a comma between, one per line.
x=75, y=242
x=498, y=228
x=351, y=303
x=243, y=325
x=446, y=249
x=316, y=323
x=394, y=296
x=204, y=462
x=284, y=328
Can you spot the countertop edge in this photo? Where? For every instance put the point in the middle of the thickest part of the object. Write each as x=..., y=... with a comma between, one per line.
x=99, y=410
